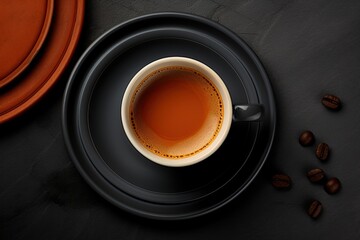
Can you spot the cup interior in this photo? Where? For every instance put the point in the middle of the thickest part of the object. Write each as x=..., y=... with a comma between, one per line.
x=142, y=80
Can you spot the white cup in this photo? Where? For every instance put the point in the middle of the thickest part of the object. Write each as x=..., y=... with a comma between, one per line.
x=141, y=80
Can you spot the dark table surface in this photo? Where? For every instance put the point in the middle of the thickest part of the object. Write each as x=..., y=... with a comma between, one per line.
x=309, y=48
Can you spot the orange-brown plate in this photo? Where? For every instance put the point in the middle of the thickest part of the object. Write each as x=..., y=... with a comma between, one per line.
x=55, y=55
x=24, y=26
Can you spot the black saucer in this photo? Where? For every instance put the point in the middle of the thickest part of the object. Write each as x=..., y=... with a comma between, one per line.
x=112, y=166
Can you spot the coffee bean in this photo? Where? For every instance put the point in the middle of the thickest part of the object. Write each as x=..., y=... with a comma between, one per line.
x=281, y=181
x=316, y=175
x=332, y=102
x=322, y=151
x=332, y=185
x=315, y=209
x=306, y=138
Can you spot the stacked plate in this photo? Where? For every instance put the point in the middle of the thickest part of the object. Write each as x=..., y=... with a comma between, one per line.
x=96, y=139
x=37, y=41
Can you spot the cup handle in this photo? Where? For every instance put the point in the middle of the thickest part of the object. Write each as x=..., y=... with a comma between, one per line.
x=251, y=112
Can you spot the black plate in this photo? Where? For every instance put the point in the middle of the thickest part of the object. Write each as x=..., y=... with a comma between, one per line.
x=112, y=166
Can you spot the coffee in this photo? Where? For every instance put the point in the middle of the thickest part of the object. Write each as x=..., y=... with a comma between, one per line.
x=332, y=185
x=281, y=181
x=176, y=112
x=322, y=151
x=315, y=209
x=331, y=102
x=316, y=175
x=306, y=138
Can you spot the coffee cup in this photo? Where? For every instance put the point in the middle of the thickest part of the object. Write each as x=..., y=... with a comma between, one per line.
x=177, y=111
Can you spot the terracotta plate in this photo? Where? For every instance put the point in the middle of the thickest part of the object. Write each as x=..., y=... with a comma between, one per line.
x=51, y=61
x=24, y=26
